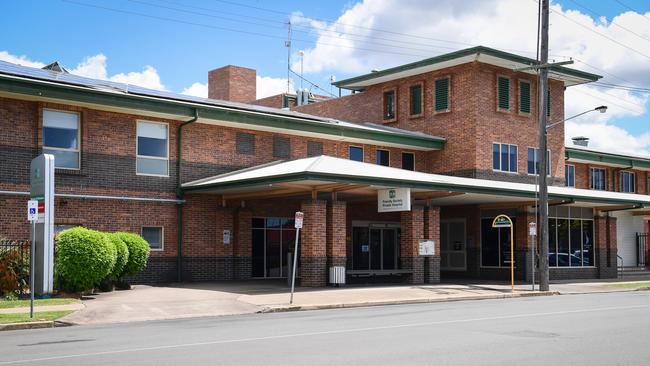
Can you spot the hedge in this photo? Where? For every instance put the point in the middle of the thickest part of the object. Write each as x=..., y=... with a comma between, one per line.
x=138, y=253
x=84, y=257
x=122, y=255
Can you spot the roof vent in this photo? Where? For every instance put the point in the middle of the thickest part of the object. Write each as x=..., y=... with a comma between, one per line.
x=55, y=66
x=581, y=141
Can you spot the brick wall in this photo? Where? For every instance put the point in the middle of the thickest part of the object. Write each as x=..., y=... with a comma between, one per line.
x=336, y=231
x=412, y=230
x=612, y=177
x=313, y=238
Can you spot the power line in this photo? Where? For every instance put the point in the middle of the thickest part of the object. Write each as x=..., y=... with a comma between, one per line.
x=623, y=87
x=631, y=8
x=639, y=111
x=613, y=22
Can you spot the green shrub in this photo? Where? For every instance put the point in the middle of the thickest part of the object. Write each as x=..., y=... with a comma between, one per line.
x=84, y=257
x=122, y=257
x=14, y=269
x=138, y=253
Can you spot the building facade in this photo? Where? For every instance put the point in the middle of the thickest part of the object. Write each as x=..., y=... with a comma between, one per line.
x=213, y=184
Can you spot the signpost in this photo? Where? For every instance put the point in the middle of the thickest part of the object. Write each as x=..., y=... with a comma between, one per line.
x=32, y=216
x=503, y=221
x=298, y=225
x=427, y=247
x=42, y=190
x=532, y=231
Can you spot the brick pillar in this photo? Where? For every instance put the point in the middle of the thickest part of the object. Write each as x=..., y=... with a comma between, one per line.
x=313, y=253
x=432, y=232
x=336, y=230
x=243, y=246
x=605, y=246
x=412, y=227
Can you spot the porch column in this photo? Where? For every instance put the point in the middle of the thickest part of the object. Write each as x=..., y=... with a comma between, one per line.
x=243, y=249
x=336, y=230
x=313, y=254
x=225, y=220
x=432, y=232
x=605, y=246
x=412, y=227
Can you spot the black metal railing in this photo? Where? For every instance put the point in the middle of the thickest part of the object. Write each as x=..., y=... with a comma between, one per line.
x=642, y=248
x=14, y=266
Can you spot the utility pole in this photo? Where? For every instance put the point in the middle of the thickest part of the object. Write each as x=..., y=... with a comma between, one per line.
x=541, y=155
x=287, y=44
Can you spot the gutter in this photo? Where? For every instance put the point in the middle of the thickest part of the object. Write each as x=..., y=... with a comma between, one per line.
x=101, y=197
x=180, y=193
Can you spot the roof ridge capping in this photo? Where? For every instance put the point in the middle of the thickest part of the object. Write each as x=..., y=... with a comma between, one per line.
x=572, y=76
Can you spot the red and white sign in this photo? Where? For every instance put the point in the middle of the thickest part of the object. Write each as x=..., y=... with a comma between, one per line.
x=298, y=220
x=532, y=228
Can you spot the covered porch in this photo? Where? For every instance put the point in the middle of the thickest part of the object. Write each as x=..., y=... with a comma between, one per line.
x=253, y=228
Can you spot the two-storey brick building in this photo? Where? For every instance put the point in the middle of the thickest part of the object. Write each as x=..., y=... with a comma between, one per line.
x=213, y=183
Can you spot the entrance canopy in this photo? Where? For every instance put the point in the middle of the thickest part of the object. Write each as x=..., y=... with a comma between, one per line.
x=353, y=180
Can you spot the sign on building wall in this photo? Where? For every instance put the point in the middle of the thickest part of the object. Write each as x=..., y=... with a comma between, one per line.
x=394, y=199
x=41, y=173
x=427, y=247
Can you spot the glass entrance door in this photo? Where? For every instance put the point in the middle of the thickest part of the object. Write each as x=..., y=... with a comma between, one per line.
x=453, y=251
x=375, y=248
x=272, y=240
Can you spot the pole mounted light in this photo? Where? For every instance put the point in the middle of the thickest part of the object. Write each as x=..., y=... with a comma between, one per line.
x=601, y=109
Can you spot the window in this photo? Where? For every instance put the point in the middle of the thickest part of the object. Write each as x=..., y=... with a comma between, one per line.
x=152, y=155
x=314, y=148
x=571, y=237
x=383, y=157
x=504, y=157
x=408, y=161
x=281, y=147
x=628, y=182
x=61, y=138
x=245, y=143
x=154, y=236
x=570, y=175
x=503, y=93
x=389, y=105
x=442, y=95
x=597, y=178
x=524, y=97
x=356, y=153
x=533, y=161
x=416, y=100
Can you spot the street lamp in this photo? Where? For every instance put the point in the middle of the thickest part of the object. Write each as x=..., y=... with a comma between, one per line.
x=543, y=191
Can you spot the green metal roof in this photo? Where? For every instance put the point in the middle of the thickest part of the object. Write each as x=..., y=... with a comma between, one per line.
x=462, y=53
x=607, y=158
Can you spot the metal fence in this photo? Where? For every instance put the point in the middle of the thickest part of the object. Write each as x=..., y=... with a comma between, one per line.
x=642, y=248
x=14, y=266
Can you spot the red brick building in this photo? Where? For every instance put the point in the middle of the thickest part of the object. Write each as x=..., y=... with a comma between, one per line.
x=213, y=184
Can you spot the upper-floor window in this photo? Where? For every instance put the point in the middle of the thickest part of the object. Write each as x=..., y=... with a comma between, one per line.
x=245, y=143
x=61, y=138
x=570, y=175
x=533, y=161
x=152, y=155
x=383, y=157
x=389, y=104
x=503, y=93
x=314, y=148
x=628, y=180
x=441, y=95
x=281, y=147
x=356, y=153
x=524, y=97
x=597, y=178
x=408, y=161
x=415, y=92
x=504, y=157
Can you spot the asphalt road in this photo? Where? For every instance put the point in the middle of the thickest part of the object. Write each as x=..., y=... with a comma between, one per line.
x=597, y=329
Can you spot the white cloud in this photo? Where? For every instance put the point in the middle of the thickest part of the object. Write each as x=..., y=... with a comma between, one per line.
x=350, y=47
x=267, y=86
x=197, y=90
x=20, y=60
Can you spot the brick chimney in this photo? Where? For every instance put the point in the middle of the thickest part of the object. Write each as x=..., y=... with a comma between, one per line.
x=232, y=83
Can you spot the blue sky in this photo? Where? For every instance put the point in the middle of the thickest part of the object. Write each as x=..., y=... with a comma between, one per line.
x=181, y=40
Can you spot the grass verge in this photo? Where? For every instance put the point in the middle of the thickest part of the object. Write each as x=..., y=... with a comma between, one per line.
x=8, y=304
x=631, y=285
x=24, y=317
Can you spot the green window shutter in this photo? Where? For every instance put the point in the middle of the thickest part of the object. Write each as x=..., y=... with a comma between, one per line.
x=416, y=100
x=548, y=103
x=503, y=93
x=524, y=97
x=442, y=95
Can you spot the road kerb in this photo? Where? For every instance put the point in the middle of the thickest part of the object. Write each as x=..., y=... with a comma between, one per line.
x=27, y=325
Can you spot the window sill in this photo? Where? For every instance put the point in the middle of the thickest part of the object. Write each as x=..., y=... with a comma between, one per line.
x=390, y=120
x=504, y=172
x=415, y=116
x=64, y=171
x=442, y=111
x=152, y=175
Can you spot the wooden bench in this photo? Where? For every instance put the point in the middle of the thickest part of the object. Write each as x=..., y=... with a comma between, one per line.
x=377, y=272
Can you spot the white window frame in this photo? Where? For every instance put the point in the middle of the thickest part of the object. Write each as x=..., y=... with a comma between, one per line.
x=550, y=161
x=592, y=181
x=77, y=150
x=137, y=153
x=517, y=158
x=574, y=175
x=162, y=237
x=633, y=181
x=363, y=153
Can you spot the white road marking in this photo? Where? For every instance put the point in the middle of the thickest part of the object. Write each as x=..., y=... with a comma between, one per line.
x=339, y=331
